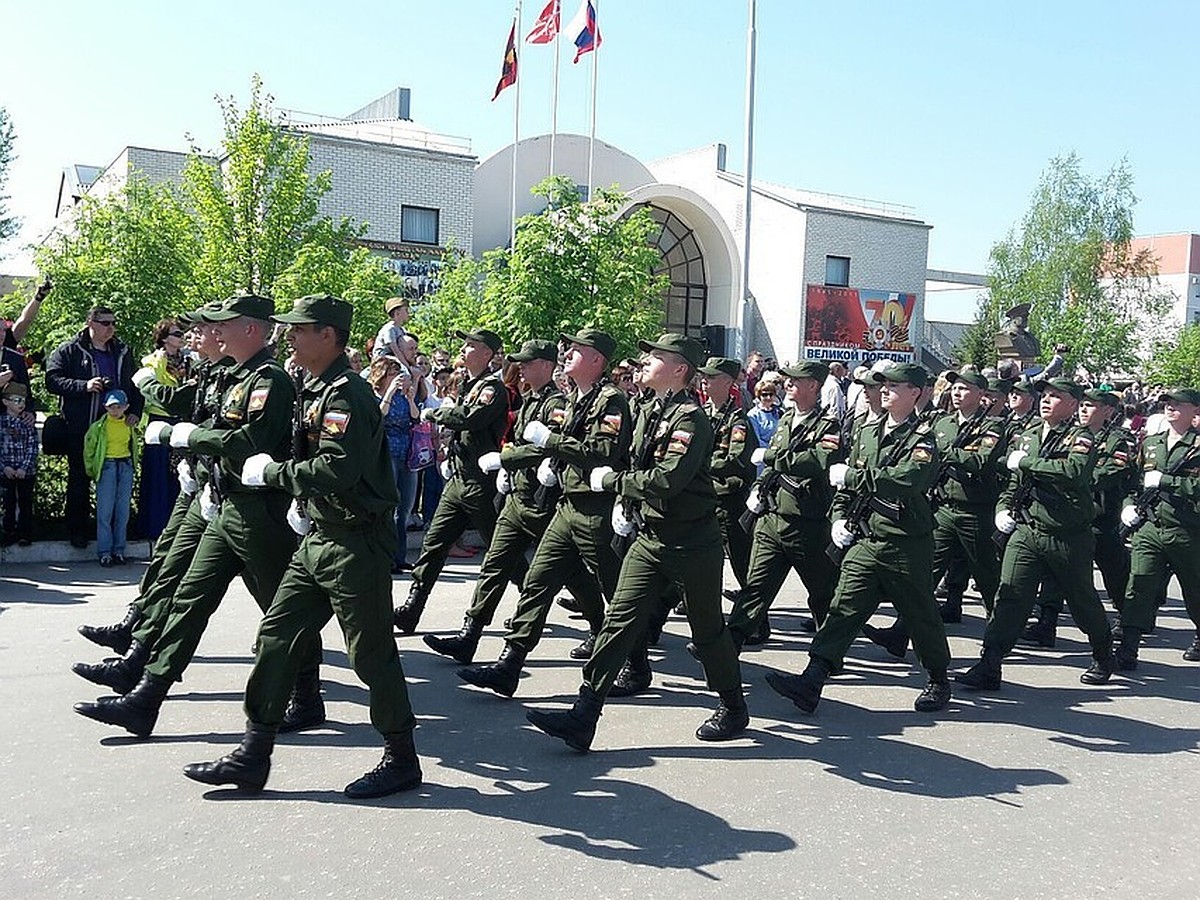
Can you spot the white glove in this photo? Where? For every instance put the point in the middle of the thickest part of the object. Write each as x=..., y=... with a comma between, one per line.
x=447, y=470
x=180, y=434
x=489, y=462
x=254, y=470
x=755, y=503
x=1130, y=517
x=298, y=519
x=187, y=482
x=1005, y=523
x=427, y=414
x=546, y=475
x=537, y=433
x=156, y=432
x=1152, y=479
x=143, y=377
x=621, y=525
x=757, y=457
x=837, y=474
x=841, y=535
x=503, y=481
x=596, y=478
x=1014, y=461
x=208, y=506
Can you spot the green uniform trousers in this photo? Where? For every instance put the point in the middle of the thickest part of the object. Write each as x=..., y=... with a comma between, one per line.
x=577, y=542
x=162, y=545
x=1156, y=553
x=335, y=572
x=965, y=532
x=734, y=537
x=783, y=543
x=896, y=569
x=1031, y=557
x=1112, y=559
x=179, y=551
x=649, y=568
x=463, y=504
x=518, y=528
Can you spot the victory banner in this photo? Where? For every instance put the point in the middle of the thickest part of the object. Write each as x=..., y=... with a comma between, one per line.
x=857, y=326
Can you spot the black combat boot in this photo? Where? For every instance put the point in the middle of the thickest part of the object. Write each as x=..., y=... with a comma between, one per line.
x=570, y=604
x=984, y=675
x=1192, y=653
x=502, y=676
x=894, y=639
x=728, y=720
x=136, y=712
x=804, y=689
x=305, y=708
x=584, y=650
x=116, y=637
x=761, y=634
x=577, y=725
x=1127, y=648
x=1043, y=632
x=119, y=673
x=407, y=616
x=951, y=610
x=460, y=647
x=399, y=770
x=1103, y=667
x=634, y=678
x=246, y=767
x=936, y=695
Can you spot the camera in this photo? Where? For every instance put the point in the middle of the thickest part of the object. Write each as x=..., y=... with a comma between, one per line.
x=105, y=383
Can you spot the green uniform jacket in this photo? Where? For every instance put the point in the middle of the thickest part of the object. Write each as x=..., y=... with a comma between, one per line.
x=347, y=478
x=1061, y=497
x=795, y=479
x=602, y=417
x=672, y=482
x=1115, y=476
x=254, y=415
x=966, y=472
x=734, y=444
x=478, y=422
x=913, y=455
x=1178, y=501
x=547, y=405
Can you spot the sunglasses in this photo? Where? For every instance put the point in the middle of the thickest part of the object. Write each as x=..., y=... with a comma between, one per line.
x=108, y=323
x=174, y=334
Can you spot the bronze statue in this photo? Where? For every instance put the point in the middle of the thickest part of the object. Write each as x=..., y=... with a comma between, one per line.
x=1015, y=341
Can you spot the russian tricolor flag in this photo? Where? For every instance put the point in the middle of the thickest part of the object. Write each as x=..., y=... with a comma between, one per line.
x=585, y=29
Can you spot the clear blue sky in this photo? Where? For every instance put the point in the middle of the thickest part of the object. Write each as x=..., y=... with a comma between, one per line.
x=953, y=108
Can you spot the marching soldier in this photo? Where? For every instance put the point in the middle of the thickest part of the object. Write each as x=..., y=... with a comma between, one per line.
x=883, y=522
x=477, y=423
x=1165, y=520
x=343, y=564
x=1047, y=511
x=677, y=540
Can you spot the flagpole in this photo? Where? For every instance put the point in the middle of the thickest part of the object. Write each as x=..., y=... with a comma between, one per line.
x=554, y=92
x=512, y=235
x=743, y=304
x=595, y=70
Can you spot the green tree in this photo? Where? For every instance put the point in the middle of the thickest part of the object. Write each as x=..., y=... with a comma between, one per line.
x=8, y=224
x=977, y=346
x=1070, y=258
x=1177, y=362
x=573, y=265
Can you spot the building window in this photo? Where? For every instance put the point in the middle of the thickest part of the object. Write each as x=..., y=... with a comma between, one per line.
x=418, y=225
x=837, y=271
x=686, y=300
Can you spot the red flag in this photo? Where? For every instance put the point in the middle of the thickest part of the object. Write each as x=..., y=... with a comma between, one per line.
x=546, y=27
x=508, y=71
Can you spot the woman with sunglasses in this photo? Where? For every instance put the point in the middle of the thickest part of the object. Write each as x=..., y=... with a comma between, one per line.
x=159, y=487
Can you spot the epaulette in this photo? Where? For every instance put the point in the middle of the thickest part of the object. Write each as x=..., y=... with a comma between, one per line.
x=340, y=380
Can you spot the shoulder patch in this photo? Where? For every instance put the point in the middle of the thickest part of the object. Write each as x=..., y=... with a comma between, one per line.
x=1081, y=444
x=334, y=424
x=737, y=433
x=486, y=393
x=921, y=453
x=258, y=399
x=340, y=380
x=680, y=441
x=611, y=424
x=557, y=416
x=830, y=440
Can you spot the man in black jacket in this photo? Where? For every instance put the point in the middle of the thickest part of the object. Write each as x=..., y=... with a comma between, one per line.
x=81, y=371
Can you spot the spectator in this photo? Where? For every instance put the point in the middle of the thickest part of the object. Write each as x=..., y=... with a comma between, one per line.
x=764, y=416
x=18, y=459
x=82, y=371
x=356, y=360
x=1054, y=368
x=12, y=362
x=387, y=341
x=397, y=393
x=158, y=486
x=108, y=454
x=833, y=401
x=754, y=368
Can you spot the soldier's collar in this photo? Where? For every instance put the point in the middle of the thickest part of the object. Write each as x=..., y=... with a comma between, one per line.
x=255, y=361
x=339, y=365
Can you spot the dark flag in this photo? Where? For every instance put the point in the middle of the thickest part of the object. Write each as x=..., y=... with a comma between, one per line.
x=508, y=71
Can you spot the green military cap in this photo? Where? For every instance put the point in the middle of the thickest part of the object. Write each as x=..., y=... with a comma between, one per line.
x=968, y=375
x=319, y=309
x=721, y=365
x=591, y=337
x=1108, y=398
x=806, y=369
x=1023, y=385
x=1066, y=385
x=1183, y=395
x=903, y=373
x=999, y=385
x=488, y=338
x=252, y=306
x=679, y=344
x=535, y=349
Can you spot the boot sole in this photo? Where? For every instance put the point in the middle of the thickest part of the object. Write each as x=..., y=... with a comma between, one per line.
x=501, y=690
x=801, y=703
x=97, y=713
x=434, y=643
x=119, y=687
x=243, y=787
x=555, y=733
x=408, y=785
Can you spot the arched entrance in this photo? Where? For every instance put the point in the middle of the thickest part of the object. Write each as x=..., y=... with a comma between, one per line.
x=686, y=300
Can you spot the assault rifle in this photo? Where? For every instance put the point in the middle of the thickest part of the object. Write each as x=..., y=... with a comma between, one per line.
x=642, y=459
x=1148, y=499
x=946, y=470
x=545, y=497
x=768, y=485
x=1023, y=495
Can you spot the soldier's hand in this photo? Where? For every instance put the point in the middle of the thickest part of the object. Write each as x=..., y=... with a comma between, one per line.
x=208, y=505
x=841, y=535
x=537, y=433
x=298, y=519
x=1152, y=479
x=546, y=475
x=447, y=470
x=254, y=470
x=503, y=481
x=596, y=478
x=757, y=457
x=1005, y=523
x=1130, y=517
x=755, y=503
x=489, y=462
x=180, y=434
x=187, y=482
x=143, y=377
x=621, y=524
x=157, y=432
x=1014, y=461
x=837, y=474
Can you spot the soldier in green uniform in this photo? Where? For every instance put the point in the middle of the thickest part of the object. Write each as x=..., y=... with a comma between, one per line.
x=342, y=566
x=883, y=522
x=1165, y=519
x=530, y=488
x=477, y=423
x=249, y=534
x=791, y=502
x=677, y=540
x=1113, y=478
x=1047, y=509
x=579, y=537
